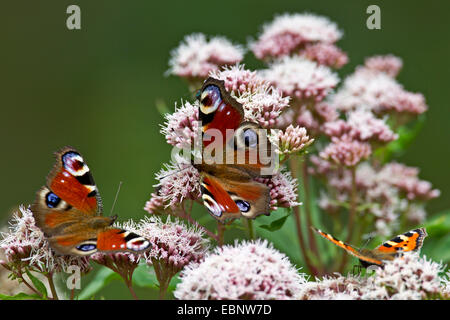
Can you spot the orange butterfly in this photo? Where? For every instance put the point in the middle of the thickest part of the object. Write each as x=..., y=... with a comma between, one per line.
x=409, y=241
x=68, y=210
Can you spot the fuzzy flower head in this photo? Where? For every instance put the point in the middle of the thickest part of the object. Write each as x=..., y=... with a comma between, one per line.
x=173, y=243
x=291, y=140
x=197, y=56
x=378, y=92
x=250, y=271
x=177, y=182
x=407, y=181
x=410, y=277
x=25, y=245
x=336, y=287
x=283, y=190
x=238, y=79
x=388, y=64
x=288, y=33
x=361, y=125
x=346, y=151
x=325, y=54
x=301, y=78
x=262, y=103
x=181, y=127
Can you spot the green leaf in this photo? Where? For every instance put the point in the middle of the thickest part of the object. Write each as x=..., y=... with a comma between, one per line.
x=101, y=279
x=406, y=135
x=20, y=296
x=439, y=225
x=38, y=284
x=276, y=224
x=236, y=224
x=284, y=239
x=144, y=276
x=439, y=249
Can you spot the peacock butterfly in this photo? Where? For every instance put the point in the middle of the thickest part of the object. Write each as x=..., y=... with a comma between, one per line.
x=68, y=209
x=229, y=189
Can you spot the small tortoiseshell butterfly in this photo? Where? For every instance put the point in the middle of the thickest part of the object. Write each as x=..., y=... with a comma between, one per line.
x=68, y=210
x=409, y=241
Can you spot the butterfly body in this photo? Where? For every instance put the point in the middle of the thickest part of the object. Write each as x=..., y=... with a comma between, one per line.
x=229, y=189
x=388, y=250
x=68, y=210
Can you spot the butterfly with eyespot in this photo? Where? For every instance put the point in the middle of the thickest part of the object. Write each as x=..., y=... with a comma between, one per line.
x=68, y=209
x=388, y=250
x=229, y=189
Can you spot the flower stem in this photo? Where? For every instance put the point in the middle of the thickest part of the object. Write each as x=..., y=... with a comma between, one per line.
x=51, y=284
x=307, y=190
x=164, y=274
x=20, y=275
x=251, y=230
x=220, y=233
x=130, y=287
x=298, y=223
x=352, y=215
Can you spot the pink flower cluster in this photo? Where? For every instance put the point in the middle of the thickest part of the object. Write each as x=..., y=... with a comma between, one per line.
x=262, y=103
x=301, y=78
x=346, y=151
x=407, y=181
x=290, y=33
x=177, y=182
x=361, y=125
x=373, y=87
x=248, y=271
x=325, y=54
x=172, y=242
x=388, y=192
x=389, y=64
x=406, y=278
x=291, y=140
x=196, y=57
x=181, y=127
x=283, y=190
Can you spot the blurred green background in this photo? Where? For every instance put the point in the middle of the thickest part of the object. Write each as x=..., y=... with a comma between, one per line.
x=96, y=88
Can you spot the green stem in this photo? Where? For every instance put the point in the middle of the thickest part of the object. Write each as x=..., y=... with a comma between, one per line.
x=220, y=233
x=20, y=275
x=298, y=223
x=351, y=217
x=306, y=186
x=251, y=230
x=51, y=284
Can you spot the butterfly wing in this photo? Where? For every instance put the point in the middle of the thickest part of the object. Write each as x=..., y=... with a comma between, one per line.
x=227, y=197
x=69, y=196
x=218, y=110
x=408, y=241
x=71, y=180
x=83, y=239
x=363, y=256
x=68, y=211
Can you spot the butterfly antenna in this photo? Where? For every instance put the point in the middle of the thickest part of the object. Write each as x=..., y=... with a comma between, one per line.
x=367, y=242
x=115, y=199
